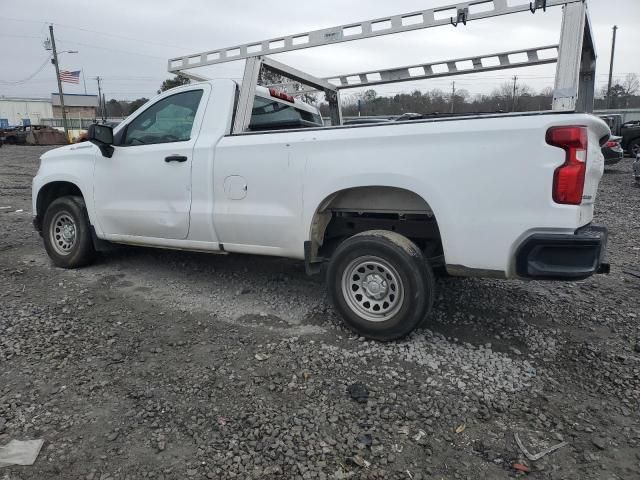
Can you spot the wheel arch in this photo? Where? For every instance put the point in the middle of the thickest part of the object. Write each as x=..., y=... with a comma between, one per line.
x=371, y=199
x=49, y=192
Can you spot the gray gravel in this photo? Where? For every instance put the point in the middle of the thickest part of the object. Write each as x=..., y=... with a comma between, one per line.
x=170, y=365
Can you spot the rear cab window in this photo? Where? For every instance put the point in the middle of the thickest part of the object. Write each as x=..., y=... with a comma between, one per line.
x=273, y=114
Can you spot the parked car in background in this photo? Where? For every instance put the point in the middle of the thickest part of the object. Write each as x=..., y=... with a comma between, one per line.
x=409, y=116
x=13, y=135
x=365, y=121
x=615, y=121
x=33, y=135
x=630, y=133
x=612, y=151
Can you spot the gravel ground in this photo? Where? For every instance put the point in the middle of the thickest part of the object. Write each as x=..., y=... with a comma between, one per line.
x=171, y=365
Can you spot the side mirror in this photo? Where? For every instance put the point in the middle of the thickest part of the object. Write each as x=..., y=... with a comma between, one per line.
x=102, y=137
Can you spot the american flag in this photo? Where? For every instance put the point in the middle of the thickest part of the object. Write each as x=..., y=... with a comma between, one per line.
x=70, y=77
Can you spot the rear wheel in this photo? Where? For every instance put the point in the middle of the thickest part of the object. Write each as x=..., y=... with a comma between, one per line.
x=381, y=284
x=67, y=233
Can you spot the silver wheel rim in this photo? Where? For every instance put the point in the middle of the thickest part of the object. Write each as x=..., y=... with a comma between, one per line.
x=372, y=288
x=62, y=233
x=635, y=150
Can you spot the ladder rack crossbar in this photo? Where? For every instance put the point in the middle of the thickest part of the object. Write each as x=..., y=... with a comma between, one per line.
x=469, y=10
x=424, y=71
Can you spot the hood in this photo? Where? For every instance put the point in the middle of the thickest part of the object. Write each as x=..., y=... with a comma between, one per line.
x=66, y=150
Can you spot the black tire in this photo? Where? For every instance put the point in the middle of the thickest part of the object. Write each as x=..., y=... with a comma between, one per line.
x=634, y=147
x=380, y=263
x=68, y=250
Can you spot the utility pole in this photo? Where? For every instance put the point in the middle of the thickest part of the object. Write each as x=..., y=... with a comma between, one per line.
x=55, y=62
x=104, y=108
x=613, y=51
x=453, y=95
x=100, y=112
x=515, y=89
x=84, y=82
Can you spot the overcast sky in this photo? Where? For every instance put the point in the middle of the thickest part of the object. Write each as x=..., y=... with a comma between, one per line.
x=128, y=43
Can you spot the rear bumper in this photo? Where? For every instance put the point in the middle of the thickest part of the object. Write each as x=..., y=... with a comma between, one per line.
x=563, y=257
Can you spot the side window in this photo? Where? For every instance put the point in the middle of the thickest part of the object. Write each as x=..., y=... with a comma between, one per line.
x=169, y=120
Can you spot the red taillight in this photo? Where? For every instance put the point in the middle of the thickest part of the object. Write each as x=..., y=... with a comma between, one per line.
x=612, y=144
x=568, y=180
x=281, y=95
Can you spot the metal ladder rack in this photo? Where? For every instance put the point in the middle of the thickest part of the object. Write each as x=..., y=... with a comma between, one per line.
x=474, y=64
x=575, y=74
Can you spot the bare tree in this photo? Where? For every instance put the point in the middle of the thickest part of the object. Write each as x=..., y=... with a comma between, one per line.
x=546, y=92
x=631, y=84
x=463, y=94
x=524, y=89
x=503, y=91
x=622, y=91
x=501, y=99
x=505, y=94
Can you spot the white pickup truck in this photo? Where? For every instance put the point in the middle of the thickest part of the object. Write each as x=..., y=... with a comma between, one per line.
x=380, y=205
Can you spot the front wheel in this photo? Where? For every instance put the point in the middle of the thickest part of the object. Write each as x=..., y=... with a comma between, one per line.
x=67, y=233
x=381, y=284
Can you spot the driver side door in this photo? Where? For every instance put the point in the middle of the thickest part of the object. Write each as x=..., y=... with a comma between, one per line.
x=144, y=189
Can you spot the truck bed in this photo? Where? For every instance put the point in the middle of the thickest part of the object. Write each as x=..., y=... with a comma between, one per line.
x=487, y=179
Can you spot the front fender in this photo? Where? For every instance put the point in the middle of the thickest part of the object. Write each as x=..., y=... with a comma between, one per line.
x=72, y=164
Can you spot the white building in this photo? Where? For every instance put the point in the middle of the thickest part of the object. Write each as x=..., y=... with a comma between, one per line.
x=76, y=105
x=13, y=110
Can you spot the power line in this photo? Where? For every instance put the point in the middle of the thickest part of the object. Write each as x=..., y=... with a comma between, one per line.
x=17, y=36
x=25, y=80
x=88, y=30
x=22, y=20
x=88, y=45
x=164, y=45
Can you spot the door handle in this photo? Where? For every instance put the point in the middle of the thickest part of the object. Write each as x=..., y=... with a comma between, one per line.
x=175, y=158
